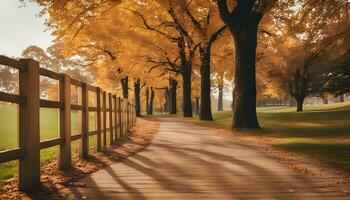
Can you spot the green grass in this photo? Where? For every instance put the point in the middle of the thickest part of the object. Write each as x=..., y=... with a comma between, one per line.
x=322, y=132
x=49, y=129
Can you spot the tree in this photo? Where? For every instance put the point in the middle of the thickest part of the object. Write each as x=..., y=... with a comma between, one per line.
x=180, y=61
x=338, y=80
x=8, y=81
x=137, y=88
x=51, y=60
x=243, y=21
x=206, y=30
x=309, y=45
x=172, y=95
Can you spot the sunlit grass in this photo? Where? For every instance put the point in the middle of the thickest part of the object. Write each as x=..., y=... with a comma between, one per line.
x=320, y=131
x=49, y=129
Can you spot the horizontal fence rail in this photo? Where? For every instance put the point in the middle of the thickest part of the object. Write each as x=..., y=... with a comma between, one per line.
x=119, y=112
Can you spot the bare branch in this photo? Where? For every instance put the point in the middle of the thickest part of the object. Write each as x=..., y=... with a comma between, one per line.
x=216, y=35
x=149, y=27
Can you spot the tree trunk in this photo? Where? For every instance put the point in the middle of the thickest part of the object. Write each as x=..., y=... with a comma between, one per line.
x=151, y=102
x=186, y=67
x=172, y=91
x=205, y=107
x=244, y=106
x=137, y=89
x=197, y=105
x=220, y=99
x=186, y=91
x=147, y=100
x=341, y=98
x=300, y=103
x=125, y=86
x=167, y=100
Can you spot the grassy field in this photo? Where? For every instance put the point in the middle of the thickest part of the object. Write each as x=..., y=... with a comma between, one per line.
x=320, y=131
x=49, y=129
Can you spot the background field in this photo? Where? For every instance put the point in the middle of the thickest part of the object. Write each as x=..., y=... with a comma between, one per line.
x=49, y=128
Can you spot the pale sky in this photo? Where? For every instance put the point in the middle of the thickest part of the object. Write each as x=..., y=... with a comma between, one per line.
x=20, y=27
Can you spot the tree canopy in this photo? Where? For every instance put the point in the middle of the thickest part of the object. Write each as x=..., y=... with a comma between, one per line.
x=252, y=49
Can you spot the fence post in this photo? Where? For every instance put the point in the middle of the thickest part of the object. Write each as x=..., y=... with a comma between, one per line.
x=133, y=115
x=110, y=119
x=84, y=143
x=29, y=135
x=119, y=122
x=123, y=118
x=65, y=157
x=104, y=120
x=128, y=115
x=98, y=105
x=115, y=118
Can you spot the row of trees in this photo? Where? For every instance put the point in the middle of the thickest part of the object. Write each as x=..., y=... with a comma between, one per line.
x=261, y=48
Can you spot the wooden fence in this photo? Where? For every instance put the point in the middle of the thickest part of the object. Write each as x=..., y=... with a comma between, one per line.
x=28, y=99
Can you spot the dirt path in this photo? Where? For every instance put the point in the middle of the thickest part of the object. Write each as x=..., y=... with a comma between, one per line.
x=186, y=161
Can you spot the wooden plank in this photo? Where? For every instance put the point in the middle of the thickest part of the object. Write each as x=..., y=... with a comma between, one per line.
x=111, y=138
x=91, y=133
x=76, y=82
x=125, y=118
x=51, y=142
x=125, y=131
x=76, y=137
x=131, y=120
x=122, y=116
x=119, y=121
x=10, y=62
x=12, y=154
x=129, y=116
x=29, y=131
x=50, y=74
x=84, y=142
x=104, y=104
x=115, y=118
x=65, y=156
x=99, y=128
x=134, y=114
x=92, y=109
x=76, y=107
x=92, y=88
x=13, y=98
x=51, y=104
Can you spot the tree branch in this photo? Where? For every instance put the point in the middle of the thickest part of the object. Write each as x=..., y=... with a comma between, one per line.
x=223, y=11
x=216, y=35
